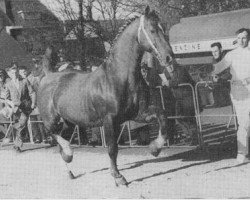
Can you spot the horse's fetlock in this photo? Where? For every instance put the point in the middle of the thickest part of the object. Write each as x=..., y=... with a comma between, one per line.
x=115, y=174
x=121, y=180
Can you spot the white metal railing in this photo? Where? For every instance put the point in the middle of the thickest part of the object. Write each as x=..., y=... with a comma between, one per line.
x=127, y=124
x=231, y=116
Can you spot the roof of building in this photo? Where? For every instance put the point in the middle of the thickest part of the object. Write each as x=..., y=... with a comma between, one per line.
x=4, y=19
x=12, y=51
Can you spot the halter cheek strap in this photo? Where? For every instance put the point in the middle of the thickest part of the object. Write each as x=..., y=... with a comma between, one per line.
x=141, y=28
x=160, y=27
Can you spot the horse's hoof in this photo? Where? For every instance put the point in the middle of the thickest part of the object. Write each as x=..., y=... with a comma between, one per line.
x=121, y=181
x=154, y=150
x=66, y=158
x=71, y=175
x=17, y=149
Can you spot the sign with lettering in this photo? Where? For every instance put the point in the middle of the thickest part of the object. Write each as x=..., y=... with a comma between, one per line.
x=202, y=46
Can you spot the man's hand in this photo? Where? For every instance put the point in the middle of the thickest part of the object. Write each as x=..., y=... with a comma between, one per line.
x=165, y=83
x=215, y=78
x=33, y=106
x=207, y=85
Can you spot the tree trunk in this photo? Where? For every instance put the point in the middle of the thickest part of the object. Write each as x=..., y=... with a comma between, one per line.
x=81, y=37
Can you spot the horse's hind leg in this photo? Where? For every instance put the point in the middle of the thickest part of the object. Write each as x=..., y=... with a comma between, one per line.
x=111, y=131
x=52, y=126
x=64, y=145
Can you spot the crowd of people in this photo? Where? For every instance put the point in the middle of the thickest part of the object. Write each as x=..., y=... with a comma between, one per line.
x=18, y=93
x=18, y=88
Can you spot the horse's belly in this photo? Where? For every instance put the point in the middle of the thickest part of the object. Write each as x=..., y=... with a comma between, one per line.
x=81, y=112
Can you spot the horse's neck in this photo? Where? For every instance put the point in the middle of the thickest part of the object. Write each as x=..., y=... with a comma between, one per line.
x=126, y=55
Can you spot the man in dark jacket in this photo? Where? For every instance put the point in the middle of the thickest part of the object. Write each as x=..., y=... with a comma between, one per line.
x=221, y=91
x=157, y=77
x=20, y=92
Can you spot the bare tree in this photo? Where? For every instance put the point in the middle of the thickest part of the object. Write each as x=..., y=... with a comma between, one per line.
x=91, y=18
x=171, y=11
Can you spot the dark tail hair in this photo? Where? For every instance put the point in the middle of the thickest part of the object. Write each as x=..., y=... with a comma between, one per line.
x=50, y=60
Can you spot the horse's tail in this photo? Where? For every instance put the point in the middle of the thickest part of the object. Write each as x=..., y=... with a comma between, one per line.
x=46, y=65
x=49, y=60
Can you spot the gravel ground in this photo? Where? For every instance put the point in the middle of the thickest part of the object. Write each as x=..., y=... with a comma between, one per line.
x=176, y=173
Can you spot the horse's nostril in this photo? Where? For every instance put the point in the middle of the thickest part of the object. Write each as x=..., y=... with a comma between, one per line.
x=168, y=59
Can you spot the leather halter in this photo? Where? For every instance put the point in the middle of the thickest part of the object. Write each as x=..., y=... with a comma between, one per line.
x=141, y=28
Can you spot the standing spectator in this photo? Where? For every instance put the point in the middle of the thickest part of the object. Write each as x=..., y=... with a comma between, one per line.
x=157, y=77
x=20, y=92
x=23, y=72
x=222, y=88
x=5, y=105
x=49, y=60
x=239, y=62
x=37, y=128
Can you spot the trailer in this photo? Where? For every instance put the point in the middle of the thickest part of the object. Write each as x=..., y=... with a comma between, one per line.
x=191, y=40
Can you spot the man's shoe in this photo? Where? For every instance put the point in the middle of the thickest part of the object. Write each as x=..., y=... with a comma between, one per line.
x=18, y=149
x=37, y=141
x=241, y=158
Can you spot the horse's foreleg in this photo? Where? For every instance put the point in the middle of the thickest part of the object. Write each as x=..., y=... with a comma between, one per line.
x=111, y=131
x=156, y=145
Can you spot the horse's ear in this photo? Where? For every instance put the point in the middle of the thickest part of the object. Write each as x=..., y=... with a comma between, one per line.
x=147, y=10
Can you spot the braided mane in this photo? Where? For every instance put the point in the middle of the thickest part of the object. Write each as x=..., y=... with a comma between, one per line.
x=120, y=31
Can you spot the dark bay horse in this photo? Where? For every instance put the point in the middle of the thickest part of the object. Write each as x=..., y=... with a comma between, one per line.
x=109, y=95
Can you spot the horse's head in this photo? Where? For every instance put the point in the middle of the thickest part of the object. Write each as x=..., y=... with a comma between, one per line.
x=152, y=38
